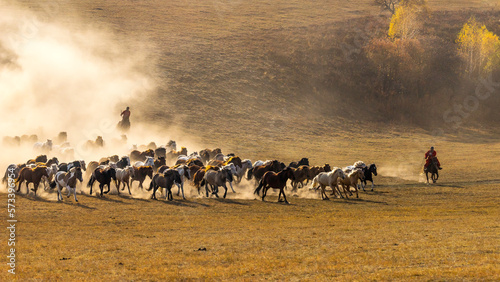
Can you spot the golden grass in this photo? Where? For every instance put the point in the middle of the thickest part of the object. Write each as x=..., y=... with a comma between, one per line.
x=398, y=232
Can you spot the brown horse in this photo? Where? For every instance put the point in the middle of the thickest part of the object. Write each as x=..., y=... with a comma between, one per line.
x=141, y=156
x=352, y=180
x=207, y=154
x=173, y=155
x=165, y=180
x=259, y=171
x=159, y=162
x=38, y=159
x=301, y=174
x=67, y=180
x=31, y=175
x=235, y=160
x=140, y=174
x=275, y=181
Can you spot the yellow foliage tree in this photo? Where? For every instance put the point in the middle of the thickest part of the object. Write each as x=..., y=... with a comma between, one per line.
x=406, y=22
x=479, y=48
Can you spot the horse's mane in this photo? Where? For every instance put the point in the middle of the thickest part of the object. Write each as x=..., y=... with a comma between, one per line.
x=209, y=167
x=354, y=171
x=230, y=159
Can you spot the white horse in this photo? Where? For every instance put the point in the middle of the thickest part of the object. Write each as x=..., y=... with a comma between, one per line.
x=51, y=171
x=324, y=179
x=240, y=171
x=184, y=173
x=124, y=175
x=68, y=180
x=43, y=147
x=258, y=163
x=150, y=161
x=232, y=168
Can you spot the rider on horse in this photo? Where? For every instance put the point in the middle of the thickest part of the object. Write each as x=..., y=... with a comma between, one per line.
x=125, y=122
x=429, y=156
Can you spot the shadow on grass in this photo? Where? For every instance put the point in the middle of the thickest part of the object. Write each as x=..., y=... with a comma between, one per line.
x=69, y=202
x=105, y=198
x=175, y=202
x=229, y=201
x=130, y=197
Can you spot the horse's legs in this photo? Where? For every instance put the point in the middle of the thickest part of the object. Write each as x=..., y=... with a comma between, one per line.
x=427, y=176
x=128, y=186
x=231, y=184
x=323, y=192
x=74, y=193
x=69, y=190
x=182, y=190
x=284, y=196
x=59, y=193
x=225, y=191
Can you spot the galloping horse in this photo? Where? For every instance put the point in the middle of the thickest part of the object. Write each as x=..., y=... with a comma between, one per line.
x=68, y=180
x=216, y=178
x=371, y=169
x=352, y=180
x=31, y=175
x=240, y=172
x=259, y=171
x=124, y=175
x=275, y=181
x=103, y=176
x=140, y=174
x=324, y=179
x=433, y=169
x=165, y=180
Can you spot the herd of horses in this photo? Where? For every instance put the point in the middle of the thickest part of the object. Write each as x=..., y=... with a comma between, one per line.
x=207, y=170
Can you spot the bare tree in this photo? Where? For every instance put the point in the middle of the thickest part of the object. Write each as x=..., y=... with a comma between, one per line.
x=389, y=5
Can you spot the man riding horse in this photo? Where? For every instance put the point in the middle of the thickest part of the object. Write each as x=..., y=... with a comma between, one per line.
x=124, y=124
x=428, y=158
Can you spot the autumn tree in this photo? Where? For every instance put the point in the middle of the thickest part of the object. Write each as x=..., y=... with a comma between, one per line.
x=479, y=49
x=407, y=20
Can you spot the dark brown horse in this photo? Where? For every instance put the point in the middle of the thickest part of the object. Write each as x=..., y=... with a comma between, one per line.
x=103, y=176
x=136, y=155
x=31, y=175
x=207, y=154
x=235, y=160
x=165, y=180
x=159, y=162
x=259, y=171
x=38, y=159
x=275, y=181
x=140, y=174
x=433, y=170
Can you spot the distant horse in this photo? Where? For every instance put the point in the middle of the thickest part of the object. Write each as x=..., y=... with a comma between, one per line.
x=303, y=161
x=123, y=175
x=104, y=177
x=234, y=160
x=369, y=170
x=275, y=181
x=67, y=166
x=148, y=162
x=140, y=174
x=172, y=155
x=43, y=147
x=433, y=170
x=165, y=180
x=90, y=168
x=136, y=155
x=215, y=179
x=31, y=175
x=352, y=180
x=68, y=180
x=324, y=179
x=208, y=154
x=38, y=159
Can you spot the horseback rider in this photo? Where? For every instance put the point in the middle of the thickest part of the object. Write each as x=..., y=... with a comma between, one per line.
x=124, y=124
x=428, y=158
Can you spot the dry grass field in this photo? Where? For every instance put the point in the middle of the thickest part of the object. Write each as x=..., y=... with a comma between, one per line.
x=223, y=79
x=404, y=230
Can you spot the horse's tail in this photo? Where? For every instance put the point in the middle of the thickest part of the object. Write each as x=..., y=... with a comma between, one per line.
x=91, y=181
x=151, y=185
x=261, y=184
x=314, y=182
x=52, y=184
x=250, y=174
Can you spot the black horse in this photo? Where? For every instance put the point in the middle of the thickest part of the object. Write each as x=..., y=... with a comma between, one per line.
x=303, y=161
x=371, y=169
x=103, y=176
x=433, y=170
x=123, y=162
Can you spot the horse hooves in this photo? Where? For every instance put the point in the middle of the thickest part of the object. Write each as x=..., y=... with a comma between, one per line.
x=326, y=198
x=76, y=201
